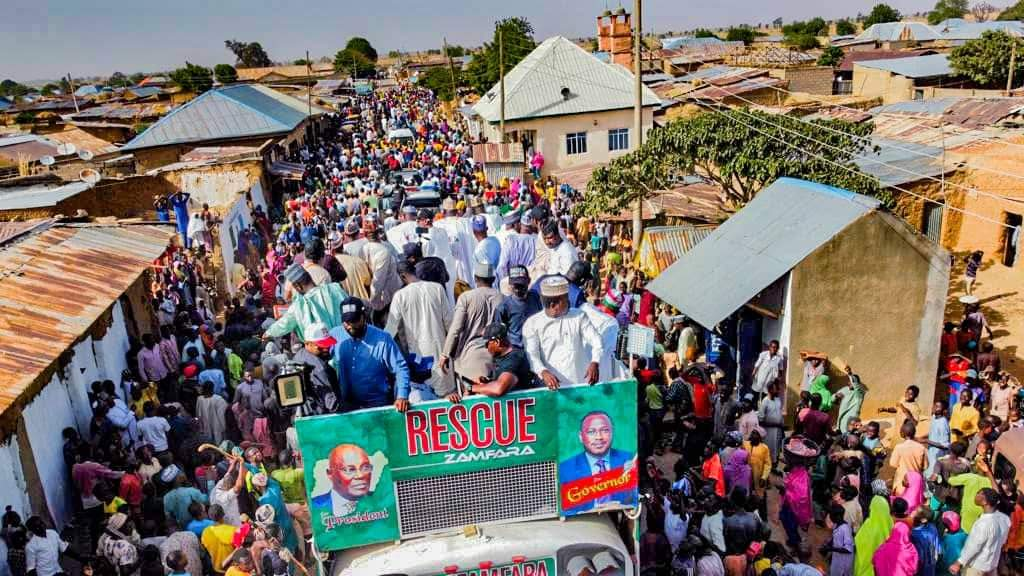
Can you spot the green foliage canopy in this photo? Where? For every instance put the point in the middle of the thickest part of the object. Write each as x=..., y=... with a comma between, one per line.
x=485, y=71
x=986, y=60
x=741, y=151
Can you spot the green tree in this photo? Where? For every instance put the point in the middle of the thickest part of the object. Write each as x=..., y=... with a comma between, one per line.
x=363, y=46
x=136, y=78
x=743, y=34
x=353, y=61
x=485, y=71
x=49, y=89
x=225, y=73
x=25, y=117
x=117, y=79
x=439, y=80
x=946, y=9
x=881, y=14
x=301, y=62
x=456, y=51
x=986, y=60
x=831, y=56
x=704, y=33
x=741, y=151
x=394, y=54
x=248, y=54
x=13, y=89
x=193, y=78
x=845, y=28
x=1015, y=12
x=803, y=41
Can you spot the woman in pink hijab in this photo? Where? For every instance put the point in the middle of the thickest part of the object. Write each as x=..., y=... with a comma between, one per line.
x=913, y=491
x=796, y=510
x=897, y=555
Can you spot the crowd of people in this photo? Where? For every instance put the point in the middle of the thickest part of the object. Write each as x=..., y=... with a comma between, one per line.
x=382, y=299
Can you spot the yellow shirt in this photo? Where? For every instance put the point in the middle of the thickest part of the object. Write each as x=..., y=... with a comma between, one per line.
x=217, y=540
x=760, y=459
x=236, y=571
x=964, y=419
x=116, y=503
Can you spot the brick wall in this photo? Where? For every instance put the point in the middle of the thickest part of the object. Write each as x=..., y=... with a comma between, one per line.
x=812, y=80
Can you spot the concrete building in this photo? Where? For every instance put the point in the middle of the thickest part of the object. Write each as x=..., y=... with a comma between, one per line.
x=900, y=79
x=855, y=282
x=566, y=103
x=75, y=297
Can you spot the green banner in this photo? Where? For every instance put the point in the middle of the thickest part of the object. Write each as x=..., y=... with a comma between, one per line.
x=352, y=460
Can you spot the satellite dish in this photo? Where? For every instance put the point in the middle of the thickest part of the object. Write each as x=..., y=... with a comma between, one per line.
x=47, y=160
x=66, y=149
x=90, y=176
x=85, y=155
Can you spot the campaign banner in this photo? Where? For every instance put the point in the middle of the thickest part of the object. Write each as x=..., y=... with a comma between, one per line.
x=539, y=567
x=351, y=461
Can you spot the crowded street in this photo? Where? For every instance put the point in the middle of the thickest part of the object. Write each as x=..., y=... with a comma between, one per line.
x=393, y=280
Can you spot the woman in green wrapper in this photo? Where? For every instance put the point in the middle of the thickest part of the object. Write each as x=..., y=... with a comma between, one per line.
x=873, y=533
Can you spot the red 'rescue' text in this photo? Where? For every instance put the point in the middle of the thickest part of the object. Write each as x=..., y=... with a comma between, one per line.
x=459, y=426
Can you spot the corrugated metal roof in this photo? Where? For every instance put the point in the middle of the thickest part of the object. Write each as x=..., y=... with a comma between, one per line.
x=960, y=29
x=781, y=226
x=853, y=56
x=895, y=31
x=688, y=42
x=39, y=196
x=231, y=112
x=712, y=92
x=54, y=285
x=897, y=163
x=533, y=89
x=144, y=91
x=928, y=66
x=11, y=230
x=663, y=245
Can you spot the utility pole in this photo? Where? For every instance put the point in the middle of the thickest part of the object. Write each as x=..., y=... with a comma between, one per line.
x=451, y=70
x=309, y=96
x=501, y=70
x=1013, y=64
x=638, y=113
x=71, y=84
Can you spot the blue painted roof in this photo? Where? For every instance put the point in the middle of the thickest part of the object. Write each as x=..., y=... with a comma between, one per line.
x=928, y=66
x=688, y=42
x=230, y=112
x=145, y=91
x=959, y=29
x=88, y=90
x=781, y=226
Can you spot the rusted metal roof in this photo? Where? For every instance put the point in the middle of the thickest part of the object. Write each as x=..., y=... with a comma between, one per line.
x=663, y=245
x=738, y=88
x=54, y=285
x=11, y=230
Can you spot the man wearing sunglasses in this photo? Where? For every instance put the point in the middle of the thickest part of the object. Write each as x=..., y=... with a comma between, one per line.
x=562, y=344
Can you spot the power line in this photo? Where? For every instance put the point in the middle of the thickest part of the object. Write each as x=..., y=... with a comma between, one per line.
x=857, y=172
x=868, y=159
x=908, y=150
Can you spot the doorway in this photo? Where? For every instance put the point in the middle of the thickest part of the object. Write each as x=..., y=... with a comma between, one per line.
x=931, y=222
x=1011, y=238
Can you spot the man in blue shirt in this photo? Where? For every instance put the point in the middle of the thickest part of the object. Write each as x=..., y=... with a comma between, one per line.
x=368, y=361
x=488, y=249
x=516, y=308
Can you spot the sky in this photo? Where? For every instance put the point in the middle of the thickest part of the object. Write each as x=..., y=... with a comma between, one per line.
x=45, y=39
